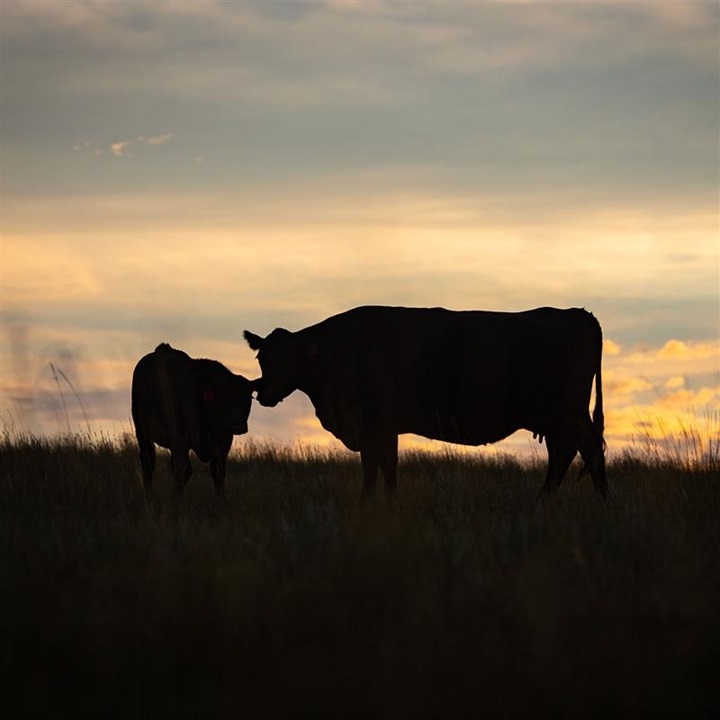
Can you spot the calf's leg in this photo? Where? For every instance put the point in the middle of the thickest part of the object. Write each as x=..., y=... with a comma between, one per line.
x=181, y=469
x=147, y=461
x=217, y=470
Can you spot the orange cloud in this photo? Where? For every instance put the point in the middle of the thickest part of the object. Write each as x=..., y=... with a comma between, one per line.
x=676, y=381
x=676, y=350
x=610, y=347
x=36, y=271
x=628, y=386
x=685, y=399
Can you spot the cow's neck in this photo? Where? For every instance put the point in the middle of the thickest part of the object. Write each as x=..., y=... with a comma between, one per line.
x=311, y=388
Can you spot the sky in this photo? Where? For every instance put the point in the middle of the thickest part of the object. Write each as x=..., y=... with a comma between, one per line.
x=180, y=171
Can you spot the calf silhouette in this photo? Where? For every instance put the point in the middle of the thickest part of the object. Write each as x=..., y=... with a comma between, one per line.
x=182, y=404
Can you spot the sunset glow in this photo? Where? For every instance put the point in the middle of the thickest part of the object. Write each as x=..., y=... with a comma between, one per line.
x=182, y=171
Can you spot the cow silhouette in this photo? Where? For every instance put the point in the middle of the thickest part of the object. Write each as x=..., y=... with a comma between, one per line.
x=469, y=377
x=182, y=404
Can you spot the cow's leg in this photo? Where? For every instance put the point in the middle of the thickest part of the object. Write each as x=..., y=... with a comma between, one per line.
x=370, y=458
x=147, y=461
x=560, y=455
x=388, y=463
x=379, y=453
x=592, y=451
x=181, y=469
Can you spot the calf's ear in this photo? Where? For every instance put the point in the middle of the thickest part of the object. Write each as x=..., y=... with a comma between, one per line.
x=253, y=340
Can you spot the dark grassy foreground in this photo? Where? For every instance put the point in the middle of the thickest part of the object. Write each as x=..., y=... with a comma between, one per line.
x=465, y=597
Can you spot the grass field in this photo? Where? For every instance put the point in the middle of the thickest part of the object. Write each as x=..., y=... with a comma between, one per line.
x=465, y=597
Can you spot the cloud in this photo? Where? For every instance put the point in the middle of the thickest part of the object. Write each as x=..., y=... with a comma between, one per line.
x=394, y=50
x=36, y=273
x=655, y=393
x=686, y=418
x=610, y=347
x=118, y=149
x=158, y=139
x=292, y=258
x=682, y=399
x=668, y=360
x=679, y=349
x=676, y=351
x=632, y=386
x=674, y=382
x=473, y=99
x=87, y=146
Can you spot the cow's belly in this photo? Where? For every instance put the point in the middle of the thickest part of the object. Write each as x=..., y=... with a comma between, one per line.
x=475, y=414
x=461, y=431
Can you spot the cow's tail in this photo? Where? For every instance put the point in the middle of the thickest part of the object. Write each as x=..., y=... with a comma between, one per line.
x=598, y=416
x=595, y=461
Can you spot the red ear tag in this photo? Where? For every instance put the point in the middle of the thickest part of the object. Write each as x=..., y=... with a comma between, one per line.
x=312, y=349
x=209, y=394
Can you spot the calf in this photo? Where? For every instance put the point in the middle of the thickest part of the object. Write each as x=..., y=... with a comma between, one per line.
x=183, y=404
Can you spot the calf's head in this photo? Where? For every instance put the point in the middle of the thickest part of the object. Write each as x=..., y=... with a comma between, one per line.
x=241, y=395
x=226, y=400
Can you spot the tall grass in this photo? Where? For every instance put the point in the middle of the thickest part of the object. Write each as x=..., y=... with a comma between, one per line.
x=466, y=596
x=692, y=443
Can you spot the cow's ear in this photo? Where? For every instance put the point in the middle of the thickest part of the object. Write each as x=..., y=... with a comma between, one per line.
x=253, y=340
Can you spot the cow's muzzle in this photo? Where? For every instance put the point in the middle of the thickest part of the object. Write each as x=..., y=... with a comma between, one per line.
x=268, y=400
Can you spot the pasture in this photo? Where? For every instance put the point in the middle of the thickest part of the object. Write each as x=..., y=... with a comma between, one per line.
x=465, y=596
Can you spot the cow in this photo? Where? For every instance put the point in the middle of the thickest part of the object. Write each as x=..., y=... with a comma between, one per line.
x=182, y=404
x=468, y=377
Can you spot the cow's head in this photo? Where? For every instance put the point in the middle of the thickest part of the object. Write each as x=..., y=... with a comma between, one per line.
x=283, y=361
